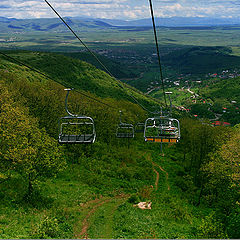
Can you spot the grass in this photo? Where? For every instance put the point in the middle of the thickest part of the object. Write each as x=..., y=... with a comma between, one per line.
x=60, y=205
x=160, y=222
x=65, y=202
x=103, y=220
x=178, y=97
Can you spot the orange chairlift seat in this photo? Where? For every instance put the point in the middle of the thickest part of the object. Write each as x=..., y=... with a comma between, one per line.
x=75, y=128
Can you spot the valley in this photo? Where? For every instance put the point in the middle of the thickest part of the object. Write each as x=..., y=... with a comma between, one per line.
x=53, y=191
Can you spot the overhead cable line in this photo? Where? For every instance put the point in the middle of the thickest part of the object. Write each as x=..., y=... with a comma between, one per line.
x=120, y=84
x=92, y=53
x=158, y=52
x=37, y=71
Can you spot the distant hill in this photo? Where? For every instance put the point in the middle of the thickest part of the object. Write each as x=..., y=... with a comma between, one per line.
x=176, y=22
x=78, y=23
x=49, y=24
x=202, y=60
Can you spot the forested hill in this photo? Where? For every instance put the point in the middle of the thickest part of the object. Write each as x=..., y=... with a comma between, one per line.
x=91, y=191
x=60, y=72
x=77, y=74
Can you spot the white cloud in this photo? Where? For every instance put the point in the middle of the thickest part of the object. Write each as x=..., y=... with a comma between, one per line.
x=126, y=9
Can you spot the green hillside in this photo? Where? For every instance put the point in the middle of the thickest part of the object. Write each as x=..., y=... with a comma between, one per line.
x=225, y=97
x=116, y=68
x=78, y=74
x=220, y=89
x=202, y=60
x=91, y=191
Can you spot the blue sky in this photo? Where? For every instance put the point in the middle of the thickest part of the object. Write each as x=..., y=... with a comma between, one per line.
x=120, y=9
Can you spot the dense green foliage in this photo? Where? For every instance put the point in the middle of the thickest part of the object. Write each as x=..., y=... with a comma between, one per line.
x=117, y=69
x=25, y=149
x=224, y=93
x=65, y=185
x=202, y=60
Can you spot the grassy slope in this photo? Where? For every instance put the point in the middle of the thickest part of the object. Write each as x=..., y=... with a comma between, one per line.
x=179, y=98
x=222, y=92
x=93, y=171
x=68, y=200
x=118, y=69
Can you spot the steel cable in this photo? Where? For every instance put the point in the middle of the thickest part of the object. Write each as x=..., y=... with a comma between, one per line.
x=98, y=60
x=158, y=52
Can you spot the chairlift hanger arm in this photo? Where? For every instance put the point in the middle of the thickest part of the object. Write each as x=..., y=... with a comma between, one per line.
x=66, y=103
x=169, y=93
x=120, y=117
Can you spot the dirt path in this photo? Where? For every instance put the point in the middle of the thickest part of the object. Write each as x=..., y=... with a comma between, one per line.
x=157, y=173
x=156, y=165
x=94, y=205
x=85, y=223
x=157, y=179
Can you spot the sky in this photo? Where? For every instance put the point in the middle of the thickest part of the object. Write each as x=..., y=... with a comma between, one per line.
x=120, y=9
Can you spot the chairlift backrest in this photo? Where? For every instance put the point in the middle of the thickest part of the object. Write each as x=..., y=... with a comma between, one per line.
x=125, y=130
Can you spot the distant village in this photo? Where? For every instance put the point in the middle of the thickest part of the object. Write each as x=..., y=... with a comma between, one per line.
x=189, y=80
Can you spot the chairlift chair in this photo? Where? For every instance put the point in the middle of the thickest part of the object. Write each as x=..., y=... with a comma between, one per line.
x=163, y=129
x=124, y=130
x=75, y=128
x=139, y=127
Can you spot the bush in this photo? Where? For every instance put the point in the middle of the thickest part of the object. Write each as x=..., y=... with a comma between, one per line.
x=233, y=225
x=211, y=227
x=134, y=199
x=48, y=228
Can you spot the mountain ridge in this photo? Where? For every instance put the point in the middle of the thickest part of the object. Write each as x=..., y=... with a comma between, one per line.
x=54, y=24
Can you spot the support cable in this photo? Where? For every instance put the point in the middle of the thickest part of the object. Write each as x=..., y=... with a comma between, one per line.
x=120, y=84
x=91, y=52
x=158, y=52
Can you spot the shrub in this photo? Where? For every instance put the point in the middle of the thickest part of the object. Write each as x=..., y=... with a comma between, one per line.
x=211, y=227
x=48, y=228
x=134, y=199
x=233, y=225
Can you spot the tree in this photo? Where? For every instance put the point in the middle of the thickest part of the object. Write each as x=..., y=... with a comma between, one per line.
x=223, y=171
x=24, y=148
x=199, y=140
